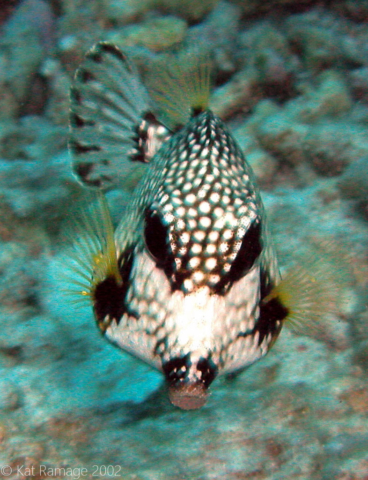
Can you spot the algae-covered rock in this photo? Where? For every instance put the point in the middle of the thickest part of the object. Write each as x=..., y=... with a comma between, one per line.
x=19, y=286
x=10, y=397
x=35, y=176
x=125, y=11
x=27, y=38
x=313, y=131
x=128, y=11
x=264, y=166
x=327, y=147
x=241, y=93
x=218, y=33
x=21, y=56
x=320, y=47
x=324, y=39
x=329, y=96
x=263, y=37
x=156, y=34
x=59, y=82
x=192, y=10
x=255, y=7
x=265, y=48
x=359, y=84
x=353, y=184
x=282, y=137
x=356, y=10
x=330, y=148
x=9, y=105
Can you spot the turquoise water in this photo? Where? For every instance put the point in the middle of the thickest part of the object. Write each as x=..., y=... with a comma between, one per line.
x=290, y=81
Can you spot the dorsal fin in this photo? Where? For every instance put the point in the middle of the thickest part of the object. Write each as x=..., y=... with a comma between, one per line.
x=113, y=132
x=180, y=85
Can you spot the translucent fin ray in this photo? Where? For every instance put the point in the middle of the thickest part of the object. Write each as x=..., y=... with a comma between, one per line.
x=180, y=85
x=109, y=104
x=313, y=290
x=93, y=256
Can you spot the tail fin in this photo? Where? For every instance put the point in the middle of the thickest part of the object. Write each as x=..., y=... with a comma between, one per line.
x=110, y=120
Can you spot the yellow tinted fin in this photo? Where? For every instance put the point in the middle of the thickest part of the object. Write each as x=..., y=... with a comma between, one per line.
x=180, y=86
x=93, y=256
x=314, y=289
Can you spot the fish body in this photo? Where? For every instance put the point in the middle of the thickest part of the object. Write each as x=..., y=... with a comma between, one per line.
x=187, y=281
x=196, y=236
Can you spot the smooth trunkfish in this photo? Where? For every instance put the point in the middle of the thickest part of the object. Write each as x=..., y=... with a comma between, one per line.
x=189, y=281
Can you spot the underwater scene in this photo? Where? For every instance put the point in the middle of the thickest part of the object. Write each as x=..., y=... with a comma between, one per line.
x=184, y=239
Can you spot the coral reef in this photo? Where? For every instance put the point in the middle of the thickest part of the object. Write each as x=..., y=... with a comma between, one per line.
x=353, y=184
x=258, y=7
x=156, y=34
x=290, y=79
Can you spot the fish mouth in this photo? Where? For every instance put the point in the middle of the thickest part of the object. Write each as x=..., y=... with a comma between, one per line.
x=188, y=396
x=188, y=379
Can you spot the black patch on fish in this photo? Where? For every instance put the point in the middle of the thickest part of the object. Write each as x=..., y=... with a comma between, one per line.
x=197, y=111
x=249, y=251
x=75, y=95
x=271, y=313
x=95, y=55
x=176, y=370
x=102, y=48
x=208, y=370
x=266, y=284
x=157, y=241
x=144, y=135
x=109, y=296
x=141, y=136
x=159, y=245
x=162, y=341
x=79, y=122
x=108, y=47
x=112, y=49
x=83, y=169
x=125, y=263
x=80, y=149
x=84, y=75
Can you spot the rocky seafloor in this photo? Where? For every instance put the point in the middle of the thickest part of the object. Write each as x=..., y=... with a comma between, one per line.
x=291, y=80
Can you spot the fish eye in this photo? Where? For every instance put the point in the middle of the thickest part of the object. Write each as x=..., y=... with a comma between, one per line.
x=249, y=251
x=156, y=237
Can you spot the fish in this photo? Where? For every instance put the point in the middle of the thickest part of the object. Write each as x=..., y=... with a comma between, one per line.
x=189, y=280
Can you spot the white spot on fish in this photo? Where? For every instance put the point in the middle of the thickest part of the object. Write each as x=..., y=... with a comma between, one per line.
x=194, y=262
x=213, y=236
x=204, y=207
x=190, y=199
x=211, y=263
x=211, y=248
x=205, y=222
